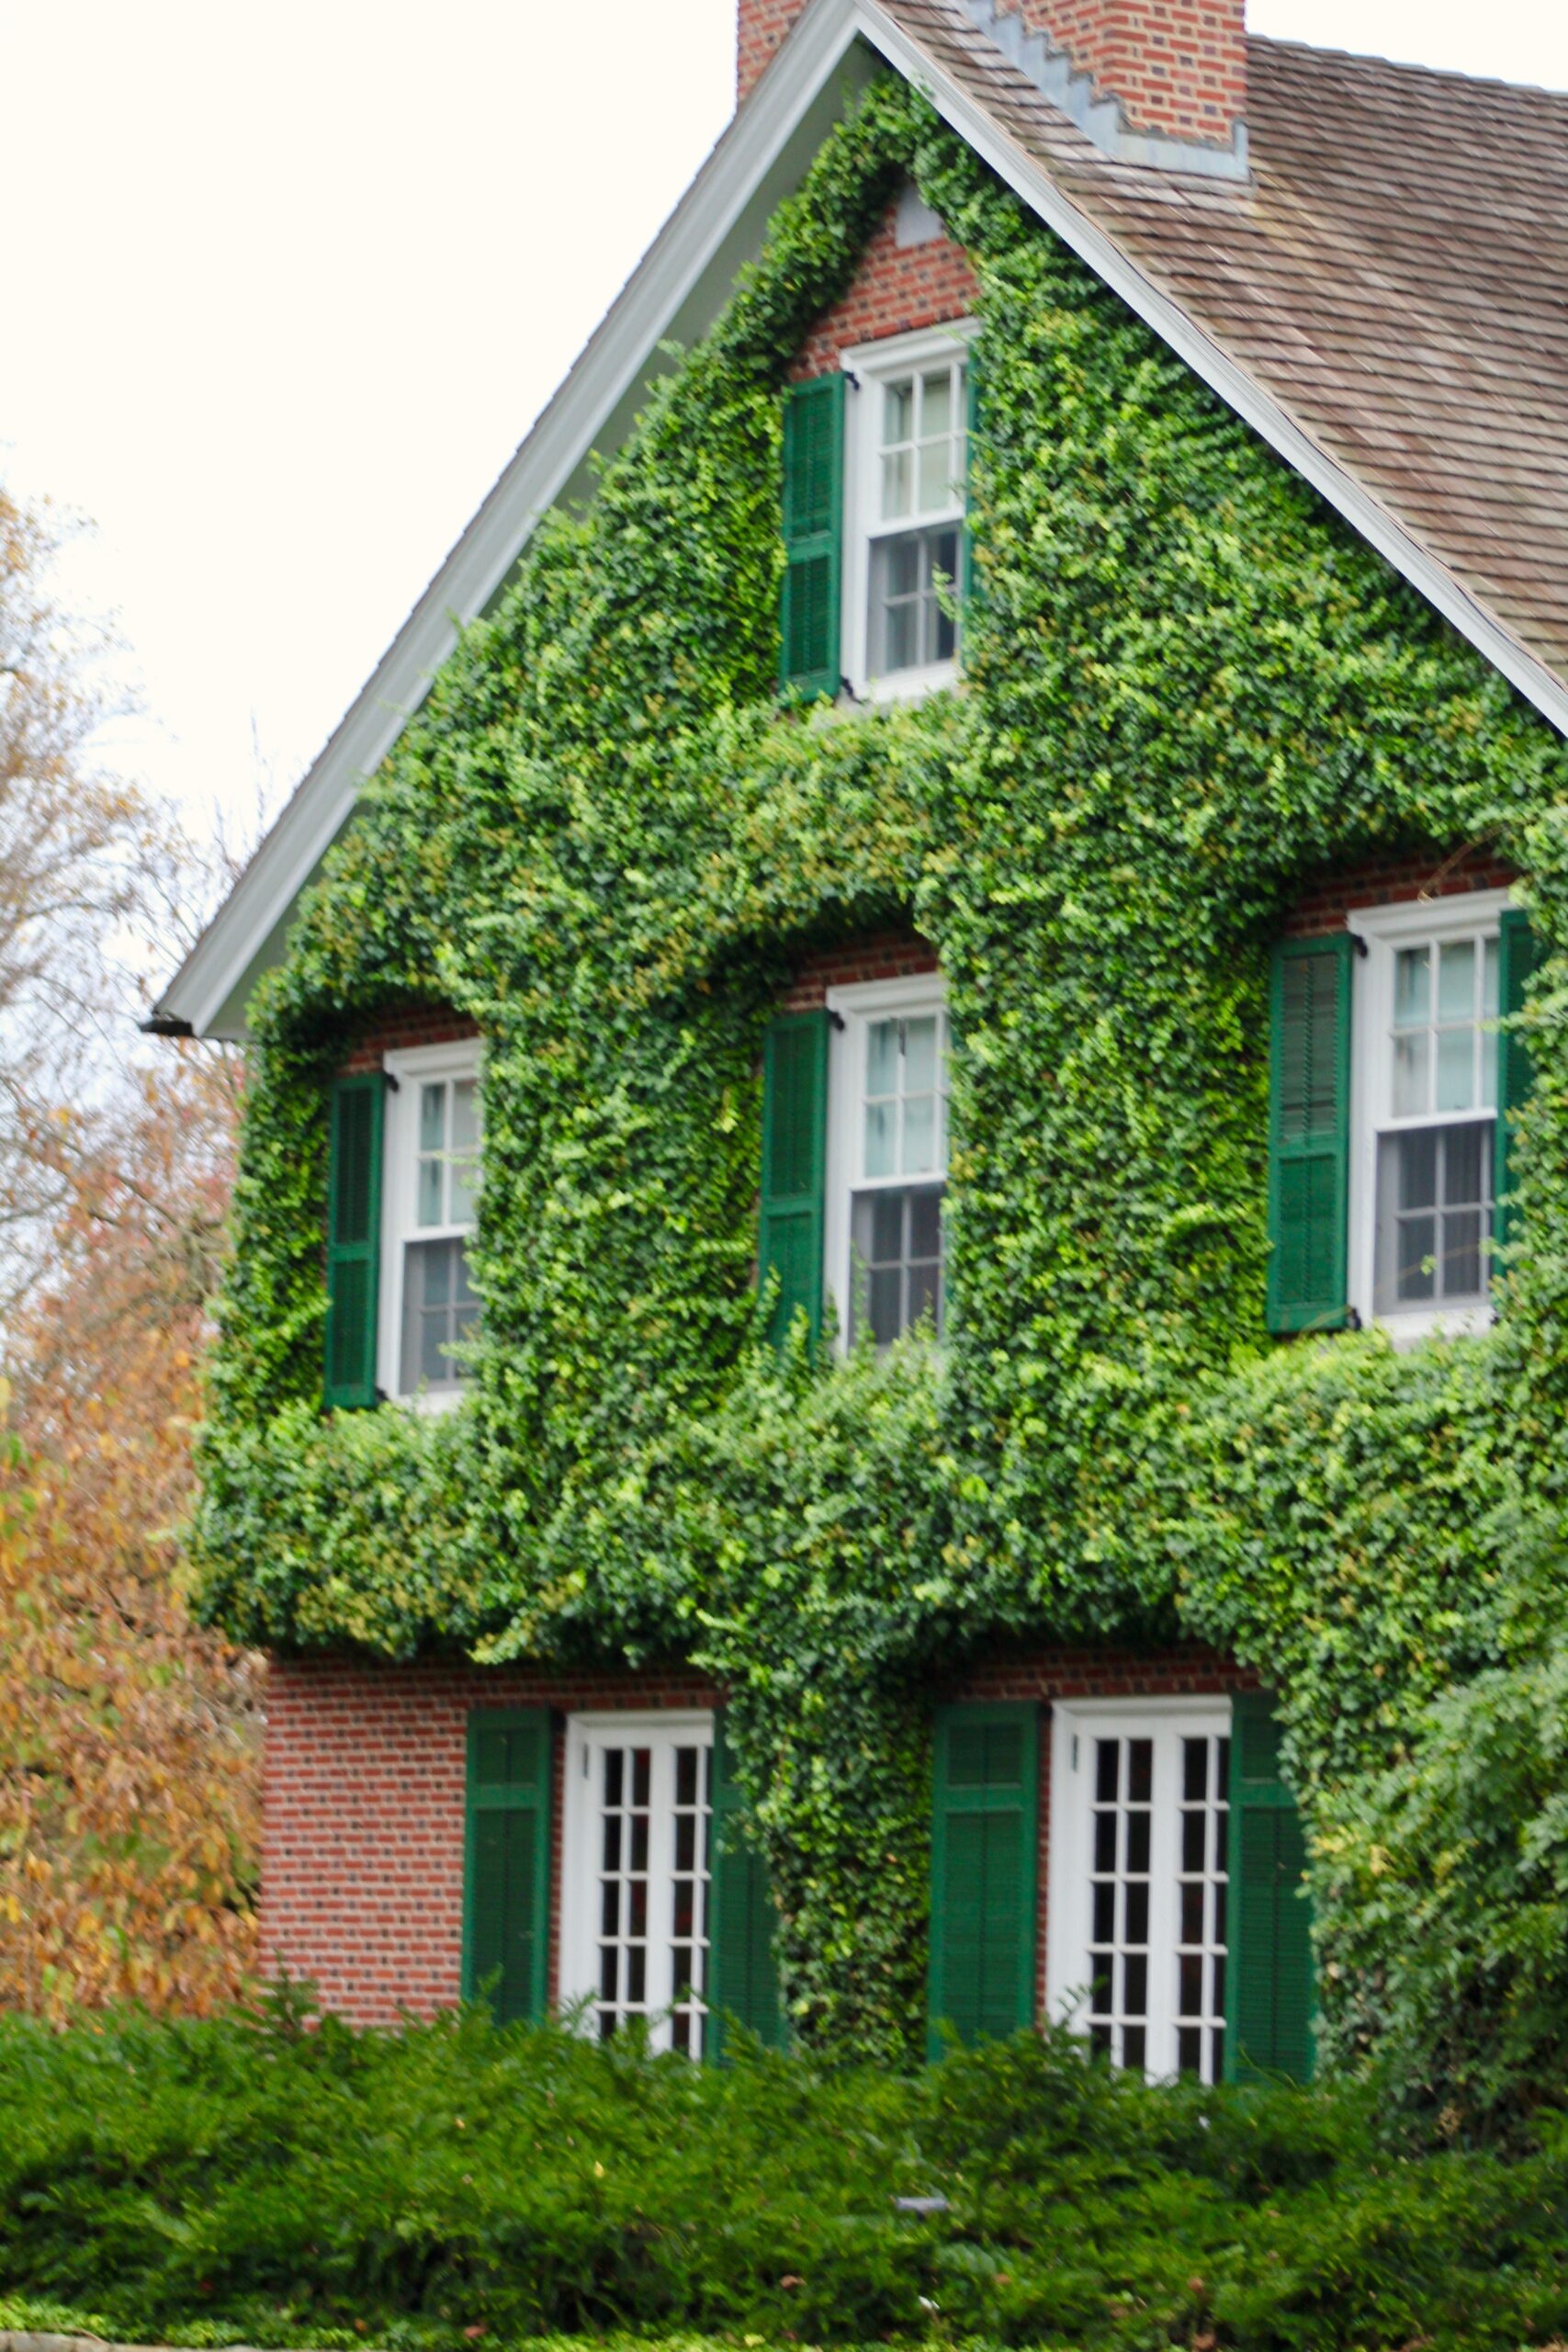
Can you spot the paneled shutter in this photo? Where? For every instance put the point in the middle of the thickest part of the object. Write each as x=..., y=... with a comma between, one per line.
x=795, y=1142
x=1270, y=2002
x=743, y=1977
x=985, y=1825
x=1309, y=1133
x=813, y=534
x=354, y=1239
x=1516, y=969
x=506, y=1913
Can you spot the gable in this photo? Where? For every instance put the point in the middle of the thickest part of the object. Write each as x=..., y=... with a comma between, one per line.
x=1221, y=277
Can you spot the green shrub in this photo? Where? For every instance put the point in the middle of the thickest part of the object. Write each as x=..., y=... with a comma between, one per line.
x=1447, y=1874
x=278, y=2178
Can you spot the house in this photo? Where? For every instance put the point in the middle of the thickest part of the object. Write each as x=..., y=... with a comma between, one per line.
x=996, y=835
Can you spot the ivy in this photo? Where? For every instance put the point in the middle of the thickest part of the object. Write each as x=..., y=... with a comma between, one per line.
x=1187, y=688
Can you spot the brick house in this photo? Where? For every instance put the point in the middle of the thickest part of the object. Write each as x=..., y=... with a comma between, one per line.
x=1106, y=1816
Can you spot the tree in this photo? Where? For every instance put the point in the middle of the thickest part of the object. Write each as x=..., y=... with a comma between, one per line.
x=128, y=1795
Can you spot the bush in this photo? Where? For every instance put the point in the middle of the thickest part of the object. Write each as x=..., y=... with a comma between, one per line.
x=274, y=2177
x=1447, y=1879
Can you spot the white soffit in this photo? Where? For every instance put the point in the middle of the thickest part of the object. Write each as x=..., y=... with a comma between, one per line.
x=676, y=293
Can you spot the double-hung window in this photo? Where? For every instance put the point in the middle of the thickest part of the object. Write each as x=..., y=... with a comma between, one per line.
x=1395, y=1065
x=428, y=1307
x=638, y=1833
x=1423, y=1063
x=875, y=495
x=888, y=1156
x=1140, y=1881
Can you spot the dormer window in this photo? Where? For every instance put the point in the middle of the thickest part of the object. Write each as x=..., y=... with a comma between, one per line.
x=874, y=465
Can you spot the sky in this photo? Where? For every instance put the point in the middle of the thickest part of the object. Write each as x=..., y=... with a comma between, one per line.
x=284, y=289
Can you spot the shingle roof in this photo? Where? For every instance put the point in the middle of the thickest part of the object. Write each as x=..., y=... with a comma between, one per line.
x=1394, y=278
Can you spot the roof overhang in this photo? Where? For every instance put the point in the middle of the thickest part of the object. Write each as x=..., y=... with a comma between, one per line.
x=674, y=295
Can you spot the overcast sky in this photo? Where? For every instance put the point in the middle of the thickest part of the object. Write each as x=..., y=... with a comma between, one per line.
x=284, y=287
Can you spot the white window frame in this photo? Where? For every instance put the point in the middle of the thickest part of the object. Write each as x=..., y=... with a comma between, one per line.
x=868, y=367
x=411, y=1067
x=662, y=1729
x=1382, y=930
x=851, y=1008
x=1068, y=1908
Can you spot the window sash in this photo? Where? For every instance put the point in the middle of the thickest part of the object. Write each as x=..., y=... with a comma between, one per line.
x=635, y=1928
x=1140, y=1884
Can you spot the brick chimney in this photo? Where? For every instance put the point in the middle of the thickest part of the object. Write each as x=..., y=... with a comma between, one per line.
x=1160, y=82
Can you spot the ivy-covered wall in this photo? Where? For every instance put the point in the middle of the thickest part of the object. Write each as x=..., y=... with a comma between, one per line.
x=1189, y=689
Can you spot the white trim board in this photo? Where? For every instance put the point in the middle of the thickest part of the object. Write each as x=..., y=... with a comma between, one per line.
x=676, y=292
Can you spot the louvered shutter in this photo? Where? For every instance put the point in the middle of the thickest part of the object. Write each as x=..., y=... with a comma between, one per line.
x=1270, y=2001
x=1516, y=969
x=813, y=535
x=354, y=1239
x=743, y=1978
x=506, y=1913
x=795, y=1141
x=985, y=1825
x=1309, y=1139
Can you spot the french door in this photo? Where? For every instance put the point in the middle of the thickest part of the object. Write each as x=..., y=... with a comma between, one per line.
x=638, y=1831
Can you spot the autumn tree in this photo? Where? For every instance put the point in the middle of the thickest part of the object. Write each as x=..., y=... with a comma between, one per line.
x=128, y=1735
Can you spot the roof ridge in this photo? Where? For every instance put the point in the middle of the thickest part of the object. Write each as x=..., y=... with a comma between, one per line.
x=1448, y=75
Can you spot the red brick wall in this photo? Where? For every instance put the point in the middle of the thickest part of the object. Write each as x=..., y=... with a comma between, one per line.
x=362, y=1851
x=1177, y=66
x=886, y=955
x=362, y=1837
x=897, y=289
x=1392, y=880
x=763, y=25
x=426, y=1025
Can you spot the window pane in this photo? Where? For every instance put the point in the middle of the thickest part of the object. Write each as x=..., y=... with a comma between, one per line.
x=1489, y=982
x=1410, y=1067
x=925, y=1225
x=925, y=1297
x=884, y=1304
x=919, y=1135
x=936, y=487
x=1456, y=1070
x=936, y=404
x=439, y=1309
x=465, y=1114
x=1412, y=988
x=894, y=485
x=1417, y=1245
x=1461, y=1254
x=882, y=1058
x=1463, y=1159
x=1456, y=981
x=433, y=1117
x=881, y=1127
x=1418, y=1156
x=897, y=412
x=900, y=637
x=887, y=1227
x=920, y=1054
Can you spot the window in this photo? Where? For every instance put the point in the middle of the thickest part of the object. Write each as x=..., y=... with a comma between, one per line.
x=888, y=1156
x=1423, y=1064
x=1140, y=1881
x=637, y=1839
x=907, y=459
x=429, y=1308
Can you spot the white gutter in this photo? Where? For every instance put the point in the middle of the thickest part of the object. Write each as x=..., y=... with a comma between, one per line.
x=207, y=992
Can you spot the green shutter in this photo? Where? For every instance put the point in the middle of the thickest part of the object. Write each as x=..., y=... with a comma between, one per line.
x=507, y=1877
x=1516, y=969
x=795, y=1140
x=354, y=1239
x=1309, y=1133
x=1269, y=2000
x=743, y=1977
x=813, y=534
x=985, y=1840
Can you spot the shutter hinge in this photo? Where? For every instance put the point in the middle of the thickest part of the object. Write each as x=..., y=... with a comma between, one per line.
x=394, y=1083
x=836, y=1017
x=1353, y=1318
x=1360, y=939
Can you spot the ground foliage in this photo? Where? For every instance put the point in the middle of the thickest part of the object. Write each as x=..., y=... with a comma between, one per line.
x=1188, y=687
x=253, y=2179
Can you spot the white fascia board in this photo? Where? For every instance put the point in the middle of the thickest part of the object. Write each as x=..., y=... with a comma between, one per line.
x=1351, y=498
x=676, y=292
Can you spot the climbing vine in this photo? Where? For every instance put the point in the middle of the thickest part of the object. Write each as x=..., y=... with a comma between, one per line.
x=1188, y=687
